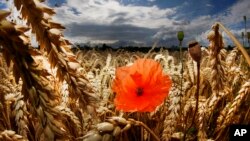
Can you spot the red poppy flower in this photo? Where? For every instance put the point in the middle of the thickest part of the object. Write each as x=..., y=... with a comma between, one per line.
x=140, y=87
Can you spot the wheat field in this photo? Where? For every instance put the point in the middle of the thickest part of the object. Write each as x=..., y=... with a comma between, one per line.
x=52, y=93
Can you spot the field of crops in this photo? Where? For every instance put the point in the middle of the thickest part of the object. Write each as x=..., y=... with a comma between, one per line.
x=52, y=93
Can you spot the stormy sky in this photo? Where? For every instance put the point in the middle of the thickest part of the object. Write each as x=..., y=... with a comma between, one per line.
x=145, y=21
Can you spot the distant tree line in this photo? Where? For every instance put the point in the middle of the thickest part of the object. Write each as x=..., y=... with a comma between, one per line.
x=144, y=49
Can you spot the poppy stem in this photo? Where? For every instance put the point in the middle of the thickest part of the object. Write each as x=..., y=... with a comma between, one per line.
x=139, y=123
x=181, y=58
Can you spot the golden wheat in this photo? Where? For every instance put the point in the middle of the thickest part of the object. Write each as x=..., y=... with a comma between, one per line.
x=49, y=94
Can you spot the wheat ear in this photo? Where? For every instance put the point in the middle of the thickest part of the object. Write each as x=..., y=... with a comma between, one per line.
x=216, y=45
x=231, y=108
x=49, y=36
x=36, y=85
x=9, y=135
x=172, y=119
x=236, y=42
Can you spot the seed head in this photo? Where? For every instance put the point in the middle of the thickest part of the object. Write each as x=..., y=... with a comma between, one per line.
x=194, y=49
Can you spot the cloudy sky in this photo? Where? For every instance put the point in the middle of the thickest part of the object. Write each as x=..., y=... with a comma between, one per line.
x=145, y=21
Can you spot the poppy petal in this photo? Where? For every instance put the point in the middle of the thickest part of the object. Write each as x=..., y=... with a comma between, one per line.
x=140, y=87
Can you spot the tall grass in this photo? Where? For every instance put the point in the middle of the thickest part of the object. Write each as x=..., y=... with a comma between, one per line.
x=53, y=94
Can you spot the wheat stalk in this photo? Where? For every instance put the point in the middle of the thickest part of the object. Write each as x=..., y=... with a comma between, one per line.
x=229, y=112
x=36, y=87
x=236, y=42
x=228, y=115
x=172, y=119
x=50, y=38
x=202, y=135
x=216, y=44
x=41, y=111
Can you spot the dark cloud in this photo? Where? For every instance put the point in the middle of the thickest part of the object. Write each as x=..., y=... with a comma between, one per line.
x=119, y=18
x=110, y=32
x=119, y=14
x=116, y=21
x=166, y=36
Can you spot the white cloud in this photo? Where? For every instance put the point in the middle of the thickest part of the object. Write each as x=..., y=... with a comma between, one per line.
x=237, y=34
x=106, y=12
x=195, y=29
x=107, y=20
x=232, y=17
x=235, y=13
x=113, y=13
x=108, y=15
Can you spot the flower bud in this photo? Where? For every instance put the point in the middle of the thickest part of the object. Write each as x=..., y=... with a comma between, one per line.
x=180, y=35
x=194, y=49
